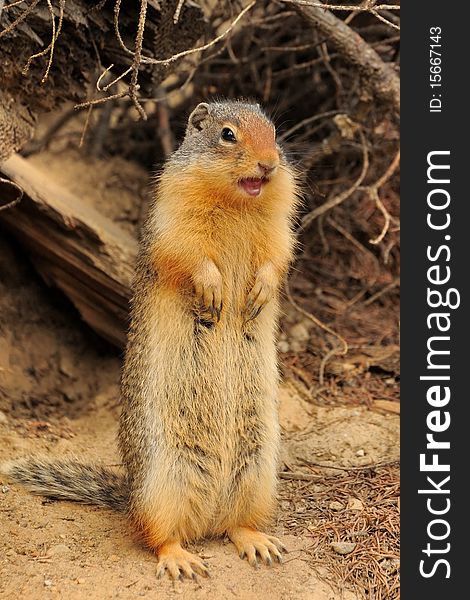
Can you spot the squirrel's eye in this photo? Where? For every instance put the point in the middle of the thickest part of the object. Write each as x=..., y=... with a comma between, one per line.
x=227, y=135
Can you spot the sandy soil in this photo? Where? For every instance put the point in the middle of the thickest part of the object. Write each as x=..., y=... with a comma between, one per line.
x=59, y=395
x=62, y=550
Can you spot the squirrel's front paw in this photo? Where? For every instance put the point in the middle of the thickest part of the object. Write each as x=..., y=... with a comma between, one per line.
x=208, y=289
x=262, y=292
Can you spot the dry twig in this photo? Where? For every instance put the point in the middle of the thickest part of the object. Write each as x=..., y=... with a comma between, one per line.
x=50, y=47
x=15, y=201
x=19, y=19
x=334, y=351
x=138, y=58
x=373, y=192
x=339, y=198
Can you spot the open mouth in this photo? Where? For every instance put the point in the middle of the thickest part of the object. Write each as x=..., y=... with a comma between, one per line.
x=252, y=185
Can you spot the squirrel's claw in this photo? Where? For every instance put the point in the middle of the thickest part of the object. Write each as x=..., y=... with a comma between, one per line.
x=208, y=290
x=259, y=296
x=251, y=313
x=262, y=292
x=180, y=563
x=252, y=544
x=210, y=301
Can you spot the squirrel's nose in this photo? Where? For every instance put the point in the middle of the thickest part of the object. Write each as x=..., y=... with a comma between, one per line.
x=267, y=168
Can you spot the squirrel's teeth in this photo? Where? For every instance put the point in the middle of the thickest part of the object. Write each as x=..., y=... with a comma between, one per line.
x=252, y=185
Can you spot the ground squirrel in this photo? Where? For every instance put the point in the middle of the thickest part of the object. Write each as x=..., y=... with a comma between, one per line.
x=199, y=433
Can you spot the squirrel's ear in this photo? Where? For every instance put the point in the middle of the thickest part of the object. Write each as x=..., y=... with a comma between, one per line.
x=198, y=116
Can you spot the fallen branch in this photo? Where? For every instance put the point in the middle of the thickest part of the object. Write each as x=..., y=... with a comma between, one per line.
x=378, y=76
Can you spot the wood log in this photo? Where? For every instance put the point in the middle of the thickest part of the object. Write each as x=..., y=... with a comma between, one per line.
x=73, y=246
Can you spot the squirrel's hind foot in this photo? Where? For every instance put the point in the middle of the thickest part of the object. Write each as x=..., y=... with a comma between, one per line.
x=252, y=544
x=179, y=563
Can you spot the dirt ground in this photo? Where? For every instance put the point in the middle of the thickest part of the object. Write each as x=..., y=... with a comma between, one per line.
x=59, y=395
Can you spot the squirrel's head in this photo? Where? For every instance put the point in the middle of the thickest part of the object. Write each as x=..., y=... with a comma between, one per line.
x=231, y=147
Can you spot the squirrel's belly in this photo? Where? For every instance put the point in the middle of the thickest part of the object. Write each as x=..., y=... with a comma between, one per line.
x=208, y=399
x=207, y=383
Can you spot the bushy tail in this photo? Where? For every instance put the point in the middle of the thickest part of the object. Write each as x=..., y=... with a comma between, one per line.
x=70, y=480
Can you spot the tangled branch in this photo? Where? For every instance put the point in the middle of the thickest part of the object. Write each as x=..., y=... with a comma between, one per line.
x=367, y=6
x=138, y=58
x=379, y=76
x=167, y=61
x=50, y=47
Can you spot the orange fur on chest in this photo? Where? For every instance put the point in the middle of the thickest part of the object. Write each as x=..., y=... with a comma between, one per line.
x=207, y=218
x=172, y=270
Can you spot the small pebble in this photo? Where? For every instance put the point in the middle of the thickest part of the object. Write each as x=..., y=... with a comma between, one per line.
x=299, y=332
x=335, y=505
x=81, y=580
x=360, y=452
x=283, y=346
x=47, y=582
x=67, y=366
x=355, y=504
x=5, y=489
x=343, y=547
x=58, y=550
x=297, y=346
x=390, y=565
